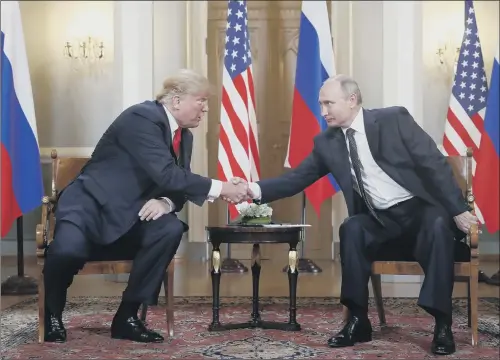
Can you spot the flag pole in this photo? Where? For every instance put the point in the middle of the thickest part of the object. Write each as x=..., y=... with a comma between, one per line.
x=20, y=284
x=305, y=265
x=228, y=264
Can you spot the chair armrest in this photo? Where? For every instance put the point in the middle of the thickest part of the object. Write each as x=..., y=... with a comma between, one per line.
x=43, y=229
x=473, y=240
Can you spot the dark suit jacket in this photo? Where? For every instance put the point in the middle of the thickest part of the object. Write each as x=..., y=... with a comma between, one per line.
x=132, y=163
x=399, y=146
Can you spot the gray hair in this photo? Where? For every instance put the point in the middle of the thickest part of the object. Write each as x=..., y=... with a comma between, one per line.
x=348, y=85
x=185, y=82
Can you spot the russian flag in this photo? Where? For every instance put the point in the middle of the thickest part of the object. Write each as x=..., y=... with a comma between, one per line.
x=315, y=64
x=486, y=179
x=21, y=175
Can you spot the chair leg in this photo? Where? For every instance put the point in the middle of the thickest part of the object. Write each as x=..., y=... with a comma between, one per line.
x=473, y=288
x=168, y=284
x=41, y=309
x=469, y=324
x=377, y=294
x=144, y=311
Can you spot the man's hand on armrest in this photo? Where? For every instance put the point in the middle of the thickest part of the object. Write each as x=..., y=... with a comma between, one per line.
x=465, y=220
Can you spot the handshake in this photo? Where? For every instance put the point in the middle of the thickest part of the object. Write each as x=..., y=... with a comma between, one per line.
x=236, y=191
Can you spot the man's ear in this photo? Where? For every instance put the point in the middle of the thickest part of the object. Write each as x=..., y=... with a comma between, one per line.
x=176, y=101
x=353, y=99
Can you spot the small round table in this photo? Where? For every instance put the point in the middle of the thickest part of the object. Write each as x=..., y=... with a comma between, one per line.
x=256, y=235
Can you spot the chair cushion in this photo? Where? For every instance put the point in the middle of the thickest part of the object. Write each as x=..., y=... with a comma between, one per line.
x=392, y=252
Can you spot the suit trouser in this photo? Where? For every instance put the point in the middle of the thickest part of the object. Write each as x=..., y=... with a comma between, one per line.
x=151, y=245
x=414, y=227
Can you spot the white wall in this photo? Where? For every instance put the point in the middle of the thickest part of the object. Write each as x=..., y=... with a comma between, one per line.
x=72, y=105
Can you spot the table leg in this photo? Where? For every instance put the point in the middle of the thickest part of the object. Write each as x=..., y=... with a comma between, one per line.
x=255, y=321
x=293, y=273
x=255, y=284
x=216, y=267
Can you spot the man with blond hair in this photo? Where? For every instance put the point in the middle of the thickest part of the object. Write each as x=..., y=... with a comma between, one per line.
x=123, y=204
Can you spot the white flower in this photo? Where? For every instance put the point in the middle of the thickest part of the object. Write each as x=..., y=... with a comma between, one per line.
x=253, y=210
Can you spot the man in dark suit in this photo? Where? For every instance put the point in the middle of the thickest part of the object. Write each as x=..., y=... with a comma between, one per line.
x=397, y=185
x=123, y=203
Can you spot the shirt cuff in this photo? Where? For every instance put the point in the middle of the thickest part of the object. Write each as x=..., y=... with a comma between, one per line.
x=255, y=189
x=170, y=203
x=215, y=190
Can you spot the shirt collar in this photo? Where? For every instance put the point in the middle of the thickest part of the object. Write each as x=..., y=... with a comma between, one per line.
x=358, y=123
x=171, y=120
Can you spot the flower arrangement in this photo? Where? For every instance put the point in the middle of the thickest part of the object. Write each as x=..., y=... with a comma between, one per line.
x=252, y=213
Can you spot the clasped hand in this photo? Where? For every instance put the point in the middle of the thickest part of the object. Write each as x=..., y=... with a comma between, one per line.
x=236, y=191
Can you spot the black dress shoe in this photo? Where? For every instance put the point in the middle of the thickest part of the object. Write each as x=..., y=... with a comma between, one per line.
x=132, y=328
x=54, y=328
x=357, y=330
x=482, y=277
x=443, y=342
x=494, y=279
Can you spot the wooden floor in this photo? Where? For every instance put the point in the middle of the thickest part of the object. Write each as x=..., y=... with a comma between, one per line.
x=193, y=279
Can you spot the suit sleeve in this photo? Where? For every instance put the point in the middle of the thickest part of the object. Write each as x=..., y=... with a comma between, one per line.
x=295, y=181
x=143, y=139
x=431, y=164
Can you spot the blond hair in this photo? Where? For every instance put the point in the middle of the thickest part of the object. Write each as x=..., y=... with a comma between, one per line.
x=185, y=82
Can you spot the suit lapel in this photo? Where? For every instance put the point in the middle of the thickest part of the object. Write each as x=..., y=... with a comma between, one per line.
x=372, y=133
x=166, y=122
x=340, y=165
x=186, y=146
x=169, y=134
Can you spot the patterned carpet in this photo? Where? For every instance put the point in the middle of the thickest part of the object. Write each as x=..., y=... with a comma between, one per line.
x=407, y=335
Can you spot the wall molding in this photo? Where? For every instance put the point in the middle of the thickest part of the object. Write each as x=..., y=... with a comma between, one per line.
x=64, y=152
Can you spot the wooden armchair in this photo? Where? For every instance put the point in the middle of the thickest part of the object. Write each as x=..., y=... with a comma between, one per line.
x=65, y=169
x=466, y=254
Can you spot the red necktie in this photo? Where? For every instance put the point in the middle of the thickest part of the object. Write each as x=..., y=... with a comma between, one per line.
x=176, y=143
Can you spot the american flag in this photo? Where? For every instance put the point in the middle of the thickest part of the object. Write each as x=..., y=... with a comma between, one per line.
x=465, y=118
x=238, y=146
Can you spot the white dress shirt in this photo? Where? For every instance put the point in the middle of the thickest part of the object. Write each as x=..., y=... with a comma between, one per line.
x=383, y=191
x=216, y=187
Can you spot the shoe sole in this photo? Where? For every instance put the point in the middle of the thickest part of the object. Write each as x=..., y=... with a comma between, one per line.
x=119, y=337
x=359, y=341
x=58, y=341
x=443, y=353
